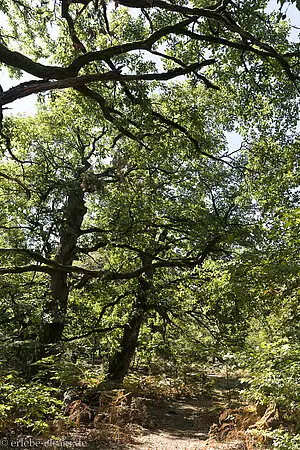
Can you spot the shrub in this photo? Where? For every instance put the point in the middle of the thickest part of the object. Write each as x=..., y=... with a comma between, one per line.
x=29, y=405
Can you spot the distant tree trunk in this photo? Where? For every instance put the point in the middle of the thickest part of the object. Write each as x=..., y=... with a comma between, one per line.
x=54, y=313
x=120, y=363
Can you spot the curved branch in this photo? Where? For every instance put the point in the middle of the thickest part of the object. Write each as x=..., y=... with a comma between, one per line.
x=220, y=15
x=20, y=183
x=117, y=50
x=68, y=76
x=19, y=61
x=78, y=45
x=105, y=275
x=34, y=87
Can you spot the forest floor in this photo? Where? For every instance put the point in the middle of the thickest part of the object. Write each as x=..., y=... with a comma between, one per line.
x=175, y=425
x=149, y=422
x=182, y=424
x=172, y=424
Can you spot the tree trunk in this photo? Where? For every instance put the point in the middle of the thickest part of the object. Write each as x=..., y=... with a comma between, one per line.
x=54, y=313
x=120, y=363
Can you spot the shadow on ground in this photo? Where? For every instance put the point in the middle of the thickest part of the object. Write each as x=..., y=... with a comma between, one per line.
x=184, y=418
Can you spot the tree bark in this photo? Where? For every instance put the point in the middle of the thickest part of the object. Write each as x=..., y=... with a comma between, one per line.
x=54, y=313
x=120, y=363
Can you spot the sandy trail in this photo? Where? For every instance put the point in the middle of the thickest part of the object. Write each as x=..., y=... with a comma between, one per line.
x=181, y=425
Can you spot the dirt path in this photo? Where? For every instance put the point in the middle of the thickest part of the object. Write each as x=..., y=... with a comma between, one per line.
x=181, y=425
x=177, y=424
x=172, y=425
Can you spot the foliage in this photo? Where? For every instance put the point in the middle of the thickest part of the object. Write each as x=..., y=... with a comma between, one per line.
x=276, y=368
x=133, y=237
x=28, y=405
x=285, y=441
x=164, y=387
x=65, y=372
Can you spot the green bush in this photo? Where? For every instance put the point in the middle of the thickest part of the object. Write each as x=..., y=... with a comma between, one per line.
x=275, y=369
x=283, y=440
x=28, y=405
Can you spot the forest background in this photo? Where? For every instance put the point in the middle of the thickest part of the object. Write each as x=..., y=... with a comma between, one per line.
x=133, y=237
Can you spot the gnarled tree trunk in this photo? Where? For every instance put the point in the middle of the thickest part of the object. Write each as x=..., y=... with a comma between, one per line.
x=120, y=363
x=54, y=313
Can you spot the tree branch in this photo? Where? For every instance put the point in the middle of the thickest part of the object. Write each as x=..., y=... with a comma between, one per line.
x=34, y=87
x=19, y=61
x=20, y=183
